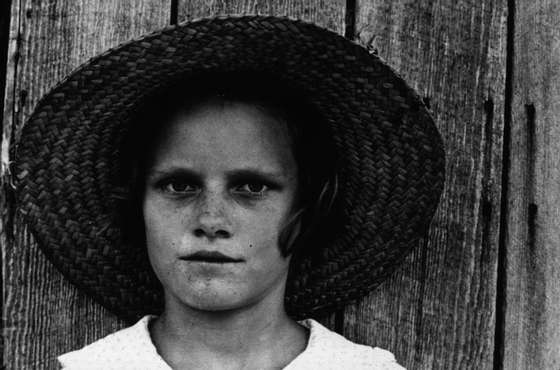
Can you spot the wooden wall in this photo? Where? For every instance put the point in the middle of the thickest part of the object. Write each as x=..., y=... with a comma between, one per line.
x=481, y=292
x=531, y=264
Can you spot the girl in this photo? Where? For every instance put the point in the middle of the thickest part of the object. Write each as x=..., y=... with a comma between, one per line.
x=222, y=181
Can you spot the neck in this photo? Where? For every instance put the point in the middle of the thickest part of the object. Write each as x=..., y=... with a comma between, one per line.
x=261, y=332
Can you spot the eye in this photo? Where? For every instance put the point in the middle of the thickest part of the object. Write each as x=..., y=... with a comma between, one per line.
x=252, y=189
x=178, y=187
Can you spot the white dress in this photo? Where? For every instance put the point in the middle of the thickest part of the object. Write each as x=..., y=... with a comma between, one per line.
x=132, y=349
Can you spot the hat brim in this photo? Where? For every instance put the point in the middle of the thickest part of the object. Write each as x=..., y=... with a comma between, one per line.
x=391, y=156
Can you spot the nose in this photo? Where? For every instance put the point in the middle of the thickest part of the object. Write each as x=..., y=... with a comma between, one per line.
x=212, y=220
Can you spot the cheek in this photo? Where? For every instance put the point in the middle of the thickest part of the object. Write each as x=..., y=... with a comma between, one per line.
x=162, y=230
x=261, y=231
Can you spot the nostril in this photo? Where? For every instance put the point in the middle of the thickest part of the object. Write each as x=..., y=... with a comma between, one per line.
x=222, y=234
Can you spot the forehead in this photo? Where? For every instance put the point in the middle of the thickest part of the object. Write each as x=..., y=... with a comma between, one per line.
x=224, y=134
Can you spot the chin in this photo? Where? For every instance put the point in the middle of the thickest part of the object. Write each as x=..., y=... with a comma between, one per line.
x=214, y=306
x=216, y=298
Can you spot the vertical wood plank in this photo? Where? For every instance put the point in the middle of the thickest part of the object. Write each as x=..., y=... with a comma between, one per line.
x=438, y=310
x=327, y=13
x=4, y=33
x=5, y=7
x=532, y=298
x=44, y=315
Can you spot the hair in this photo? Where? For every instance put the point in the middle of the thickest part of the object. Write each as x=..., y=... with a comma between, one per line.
x=310, y=137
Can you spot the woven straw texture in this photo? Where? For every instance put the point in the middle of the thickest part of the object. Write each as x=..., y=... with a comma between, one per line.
x=391, y=156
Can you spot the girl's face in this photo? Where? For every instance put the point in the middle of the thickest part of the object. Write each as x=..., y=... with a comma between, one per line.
x=221, y=183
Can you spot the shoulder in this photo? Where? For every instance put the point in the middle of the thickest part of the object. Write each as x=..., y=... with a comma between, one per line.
x=329, y=350
x=129, y=348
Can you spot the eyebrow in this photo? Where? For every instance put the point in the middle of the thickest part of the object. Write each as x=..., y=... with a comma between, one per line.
x=233, y=175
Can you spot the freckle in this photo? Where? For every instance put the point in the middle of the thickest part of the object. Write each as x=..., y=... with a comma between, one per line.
x=250, y=245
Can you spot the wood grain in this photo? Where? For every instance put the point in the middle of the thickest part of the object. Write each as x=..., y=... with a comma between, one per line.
x=327, y=13
x=44, y=315
x=438, y=310
x=4, y=34
x=532, y=298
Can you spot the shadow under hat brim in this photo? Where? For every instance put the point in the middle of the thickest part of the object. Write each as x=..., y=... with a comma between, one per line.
x=391, y=158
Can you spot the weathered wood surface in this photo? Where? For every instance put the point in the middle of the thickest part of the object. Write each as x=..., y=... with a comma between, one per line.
x=4, y=32
x=43, y=315
x=438, y=311
x=327, y=13
x=532, y=298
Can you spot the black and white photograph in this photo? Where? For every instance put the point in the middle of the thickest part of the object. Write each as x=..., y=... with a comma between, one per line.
x=291, y=184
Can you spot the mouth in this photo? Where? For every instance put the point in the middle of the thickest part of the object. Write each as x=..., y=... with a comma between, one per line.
x=210, y=257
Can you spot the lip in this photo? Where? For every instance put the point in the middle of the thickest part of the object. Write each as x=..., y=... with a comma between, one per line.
x=210, y=257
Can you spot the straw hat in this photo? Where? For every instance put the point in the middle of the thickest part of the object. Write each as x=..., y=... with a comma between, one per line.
x=390, y=174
